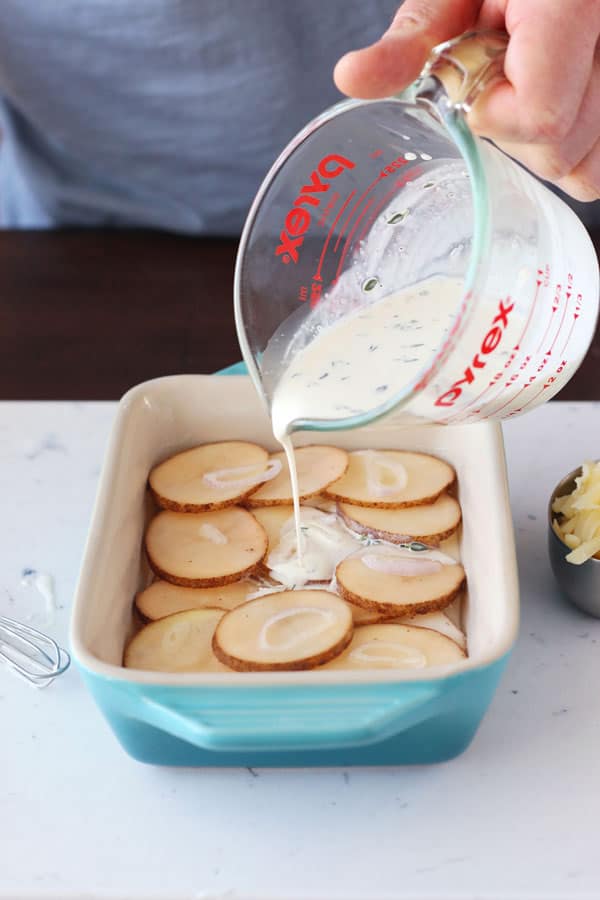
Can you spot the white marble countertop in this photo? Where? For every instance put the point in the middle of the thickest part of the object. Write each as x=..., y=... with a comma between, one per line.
x=515, y=817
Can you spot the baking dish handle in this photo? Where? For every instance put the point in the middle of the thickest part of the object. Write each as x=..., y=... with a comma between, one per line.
x=303, y=725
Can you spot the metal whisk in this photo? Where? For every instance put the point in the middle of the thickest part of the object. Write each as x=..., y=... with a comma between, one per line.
x=31, y=653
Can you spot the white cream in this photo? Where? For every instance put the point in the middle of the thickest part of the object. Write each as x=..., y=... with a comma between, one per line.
x=388, y=653
x=291, y=627
x=395, y=565
x=384, y=476
x=362, y=360
x=350, y=368
x=400, y=560
x=43, y=582
x=243, y=476
x=324, y=542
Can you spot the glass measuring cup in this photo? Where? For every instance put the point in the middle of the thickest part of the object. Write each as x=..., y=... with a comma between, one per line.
x=374, y=196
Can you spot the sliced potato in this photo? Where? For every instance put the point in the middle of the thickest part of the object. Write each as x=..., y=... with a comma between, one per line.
x=363, y=616
x=288, y=630
x=397, y=647
x=212, y=476
x=451, y=546
x=436, y=621
x=177, y=643
x=317, y=467
x=429, y=523
x=391, y=479
x=205, y=549
x=392, y=593
x=272, y=519
x=320, y=501
x=162, y=598
x=325, y=541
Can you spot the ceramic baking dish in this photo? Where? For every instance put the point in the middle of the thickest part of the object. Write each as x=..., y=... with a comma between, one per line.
x=288, y=718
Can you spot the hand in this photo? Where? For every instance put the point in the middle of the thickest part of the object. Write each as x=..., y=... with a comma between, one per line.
x=546, y=113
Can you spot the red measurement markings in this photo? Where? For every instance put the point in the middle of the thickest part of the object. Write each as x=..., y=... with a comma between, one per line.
x=554, y=308
x=400, y=182
x=545, y=386
x=555, y=305
x=576, y=315
x=511, y=399
x=515, y=412
x=532, y=399
x=317, y=276
x=353, y=210
x=447, y=346
x=463, y=415
x=568, y=294
x=386, y=198
x=349, y=239
x=538, y=284
x=511, y=383
x=330, y=206
x=542, y=276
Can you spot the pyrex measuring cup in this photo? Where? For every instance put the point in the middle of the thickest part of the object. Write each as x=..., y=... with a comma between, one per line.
x=374, y=196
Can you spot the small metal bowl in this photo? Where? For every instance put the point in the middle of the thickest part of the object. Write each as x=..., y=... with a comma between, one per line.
x=579, y=584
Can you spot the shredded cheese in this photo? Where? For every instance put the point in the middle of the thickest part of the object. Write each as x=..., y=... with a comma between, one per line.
x=578, y=520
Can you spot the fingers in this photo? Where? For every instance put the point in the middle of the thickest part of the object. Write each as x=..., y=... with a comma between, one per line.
x=583, y=183
x=548, y=67
x=396, y=60
x=574, y=162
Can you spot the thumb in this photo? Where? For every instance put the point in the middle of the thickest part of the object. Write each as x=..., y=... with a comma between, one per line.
x=397, y=58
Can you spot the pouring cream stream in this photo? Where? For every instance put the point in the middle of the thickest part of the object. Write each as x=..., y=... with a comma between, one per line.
x=354, y=365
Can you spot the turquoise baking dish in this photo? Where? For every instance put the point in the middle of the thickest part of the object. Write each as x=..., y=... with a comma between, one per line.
x=318, y=718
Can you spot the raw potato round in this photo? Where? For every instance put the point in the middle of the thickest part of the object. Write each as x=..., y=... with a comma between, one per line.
x=426, y=478
x=397, y=647
x=429, y=523
x=317, y=467
x=272, y=519
x=363, y=616
x=451, y=546
x=205, y=549
x=289, y=630
x=178, y=643
x=178, y=483
x=398, y=595
x=320, y=501
x=162, y=598
x=436, y=621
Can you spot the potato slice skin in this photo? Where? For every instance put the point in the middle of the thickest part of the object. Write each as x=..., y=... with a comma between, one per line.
x=150, y=642
x=163, y=598
x=183, y=526
x=370, y=582
x=352, y=486
x=363, y=616
x=396, y=525
x=248, y=614
x=405, y=635
x=332, y=460
x=191, y=465
x=436, y=621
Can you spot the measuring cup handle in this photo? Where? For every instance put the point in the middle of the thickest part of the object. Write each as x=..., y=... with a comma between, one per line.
x=466, y=65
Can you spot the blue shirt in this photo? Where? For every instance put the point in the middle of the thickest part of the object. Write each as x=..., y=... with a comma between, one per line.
x=161, y=113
